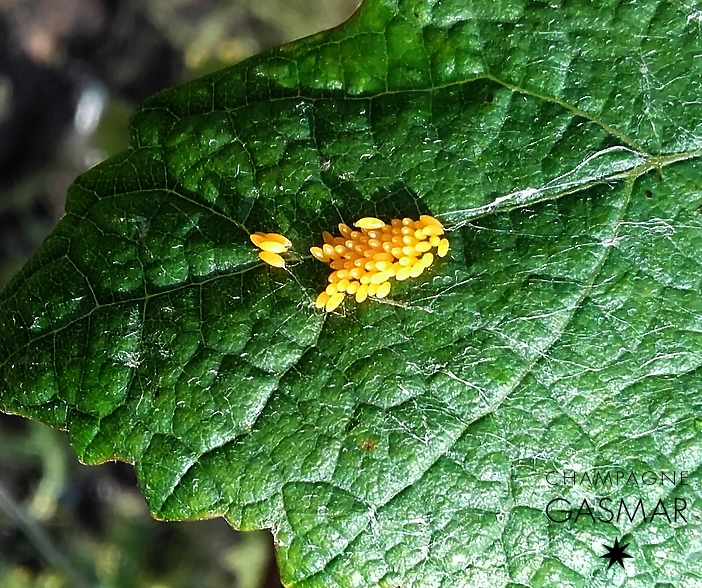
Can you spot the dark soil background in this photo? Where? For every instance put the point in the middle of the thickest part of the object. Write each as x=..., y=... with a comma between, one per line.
x=71, y=72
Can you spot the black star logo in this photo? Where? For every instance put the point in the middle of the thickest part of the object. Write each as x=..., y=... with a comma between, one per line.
x=616, y=553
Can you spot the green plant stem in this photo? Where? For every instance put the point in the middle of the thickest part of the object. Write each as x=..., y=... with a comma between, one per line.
x=41, y=542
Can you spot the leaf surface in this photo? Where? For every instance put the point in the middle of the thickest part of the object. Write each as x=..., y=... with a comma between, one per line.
x=406, y=442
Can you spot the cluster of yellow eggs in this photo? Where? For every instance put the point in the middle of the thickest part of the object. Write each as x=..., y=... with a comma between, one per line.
x=271, y=245
x=364, y=261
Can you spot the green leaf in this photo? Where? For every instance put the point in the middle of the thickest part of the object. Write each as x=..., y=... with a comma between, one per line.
x=408, y=442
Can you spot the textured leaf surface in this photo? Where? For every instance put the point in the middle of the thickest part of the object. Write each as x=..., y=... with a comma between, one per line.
x=404, y=443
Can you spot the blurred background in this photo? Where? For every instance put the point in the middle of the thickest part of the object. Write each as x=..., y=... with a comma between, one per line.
x=71, y=72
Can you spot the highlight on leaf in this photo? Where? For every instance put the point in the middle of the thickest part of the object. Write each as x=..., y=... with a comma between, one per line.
x=365, y=261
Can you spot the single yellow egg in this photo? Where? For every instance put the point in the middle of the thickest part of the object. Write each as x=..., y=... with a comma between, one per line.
x=383, y=290
x=403, y=273
x=258, y=238
x=273, y=246
x=319, y=254
x=322, y=299
x=433, y=230
x=279, y=239
x=272, y=258
x=417, y=270
x=369, y=222
x=407, y=260
x=334, y=301
x=379, y=278
x=430, y=220
x=443, y=248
